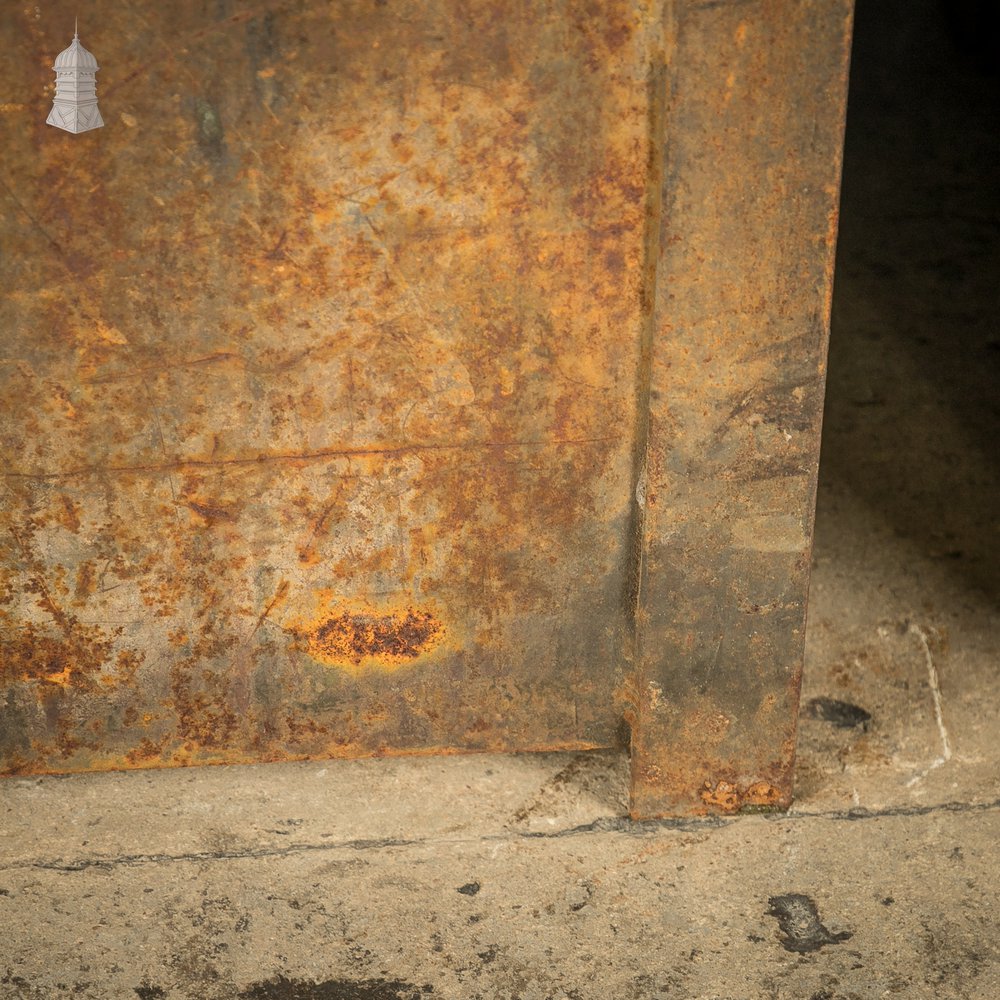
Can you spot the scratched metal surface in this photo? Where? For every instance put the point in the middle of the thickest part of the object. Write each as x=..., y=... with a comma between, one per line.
x=318, y=379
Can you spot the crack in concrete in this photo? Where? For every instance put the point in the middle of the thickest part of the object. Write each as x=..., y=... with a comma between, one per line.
x=607, y=824
x=934, y=683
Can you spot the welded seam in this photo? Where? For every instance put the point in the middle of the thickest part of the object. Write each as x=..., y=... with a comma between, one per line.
x=633, y=691
x=651, y=261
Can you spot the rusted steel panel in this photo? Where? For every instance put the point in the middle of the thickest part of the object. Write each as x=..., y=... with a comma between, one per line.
x=414, y=378
x=751, y=136
x=318, y=380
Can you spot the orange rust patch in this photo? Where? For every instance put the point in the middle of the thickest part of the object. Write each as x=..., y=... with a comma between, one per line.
x=724, y=796
x=390, y=639
x=32, y=654
x=762, y=793
x=728, y=797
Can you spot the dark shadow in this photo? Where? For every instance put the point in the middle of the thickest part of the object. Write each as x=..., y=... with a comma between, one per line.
x=913, y=407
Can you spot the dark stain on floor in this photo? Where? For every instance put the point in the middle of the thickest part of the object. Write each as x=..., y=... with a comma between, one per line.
x=842, y=714
x=798, y=920
x=469, y=889
x=281, y=988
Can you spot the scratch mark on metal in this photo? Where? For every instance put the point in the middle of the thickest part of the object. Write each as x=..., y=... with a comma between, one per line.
x=31, y=218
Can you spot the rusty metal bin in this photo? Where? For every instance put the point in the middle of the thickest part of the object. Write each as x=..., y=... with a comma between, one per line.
x=417, y=377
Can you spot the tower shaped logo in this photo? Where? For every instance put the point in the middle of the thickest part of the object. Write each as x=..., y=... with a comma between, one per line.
x=75, y=105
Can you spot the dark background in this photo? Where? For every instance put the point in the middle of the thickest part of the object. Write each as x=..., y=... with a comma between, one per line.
x=912, y=423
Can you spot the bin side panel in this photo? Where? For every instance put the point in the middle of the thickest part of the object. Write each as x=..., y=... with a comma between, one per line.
x=752, y=130
x=317, y=380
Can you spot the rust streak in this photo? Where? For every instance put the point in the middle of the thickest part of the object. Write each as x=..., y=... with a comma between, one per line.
x=279, y=595
x=308, y=550
x=182, y=464
x=209, y=512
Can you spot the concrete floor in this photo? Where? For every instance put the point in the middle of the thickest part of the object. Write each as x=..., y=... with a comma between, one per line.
x=516, y=877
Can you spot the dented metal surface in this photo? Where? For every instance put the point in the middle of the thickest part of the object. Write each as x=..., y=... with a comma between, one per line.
x=342, y=372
